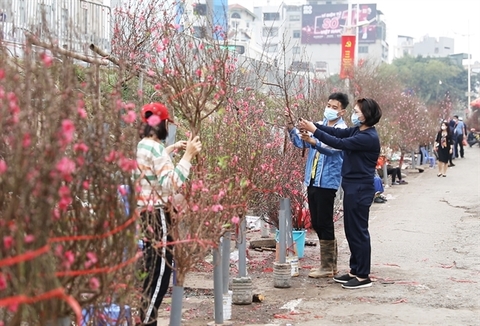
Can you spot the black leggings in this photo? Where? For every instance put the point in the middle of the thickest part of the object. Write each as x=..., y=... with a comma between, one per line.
x=157, y=264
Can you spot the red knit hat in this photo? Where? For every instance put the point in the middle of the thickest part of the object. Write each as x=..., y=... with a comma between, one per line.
x=157, y=109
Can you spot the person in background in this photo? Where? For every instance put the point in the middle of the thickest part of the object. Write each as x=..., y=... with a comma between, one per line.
x=458, y=136
x=322, y=179
x=395, y=172
x=159, y=179
x=472, y=138
x=361, y=147
x=444, y=148
x=451, y=128
x=379, y=197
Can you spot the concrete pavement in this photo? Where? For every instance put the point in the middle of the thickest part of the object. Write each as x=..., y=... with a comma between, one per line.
x=425, y=260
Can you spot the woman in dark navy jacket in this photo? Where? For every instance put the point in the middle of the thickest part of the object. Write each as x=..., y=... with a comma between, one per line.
x=361, y=148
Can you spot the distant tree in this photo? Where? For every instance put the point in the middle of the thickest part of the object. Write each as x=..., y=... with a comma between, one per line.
x=431, y=79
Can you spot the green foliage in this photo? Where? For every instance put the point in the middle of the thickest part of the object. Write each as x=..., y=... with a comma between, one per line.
x=431, y=79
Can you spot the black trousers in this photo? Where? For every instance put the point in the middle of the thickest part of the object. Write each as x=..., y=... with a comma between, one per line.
x=356, y=210
x=157, y=263
x=395, y=172
x=458, y=143
x=320, y=203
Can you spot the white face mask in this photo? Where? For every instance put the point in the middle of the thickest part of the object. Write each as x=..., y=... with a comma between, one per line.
x=444, y=128
x=355, y=120
x=330, y=114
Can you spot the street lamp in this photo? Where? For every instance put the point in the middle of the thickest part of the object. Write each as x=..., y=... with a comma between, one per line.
x=468, y=67
x=469, y=73
x=348, y=27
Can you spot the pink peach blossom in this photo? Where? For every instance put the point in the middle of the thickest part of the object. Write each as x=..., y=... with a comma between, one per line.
x=82, y=113
x=68, y=130
x=129, y=117
x=13, y=307
x=27, y=140
x=80, y=147
x=7, y=242
x=3, y=167
x=94, y=283
x=217, y=208
x=3, y=282
x=122, y=190
x=29, y=238
x=235, y=220
x=111, y=156
x=127, y=164
x=59, y=251
x=46, y=59
x=66, y=167
x=68, y=259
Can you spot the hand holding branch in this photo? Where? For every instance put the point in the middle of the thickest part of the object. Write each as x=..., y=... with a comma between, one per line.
x=306, y=125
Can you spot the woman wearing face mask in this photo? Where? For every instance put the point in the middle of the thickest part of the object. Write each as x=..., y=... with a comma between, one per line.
x=444, y=148
x=158, y=179
x=361, y=148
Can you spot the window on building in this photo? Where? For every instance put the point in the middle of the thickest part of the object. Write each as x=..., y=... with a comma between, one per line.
x=294, y=18
x=240, y=49
x=44, y=15
x=22, y=17
x=248, y=24
x=435, y=51
x=296, y=50
x=268, y=16
x=200, y=9
x=65, y=22
x=271, y=48
x=300, y=66
x=296, y=34
x=321, y=66
x=235, y=24
x=200, y=31
x=236, y=15
x=270, y=32
x=363, y=49
x=85, y=20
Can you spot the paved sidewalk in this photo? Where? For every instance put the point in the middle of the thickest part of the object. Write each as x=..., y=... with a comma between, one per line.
x=425, y=260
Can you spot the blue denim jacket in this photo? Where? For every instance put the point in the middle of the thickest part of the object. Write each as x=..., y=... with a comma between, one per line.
x=329, y=166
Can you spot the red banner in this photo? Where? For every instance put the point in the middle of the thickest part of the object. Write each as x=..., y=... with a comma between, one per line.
x=348, y=56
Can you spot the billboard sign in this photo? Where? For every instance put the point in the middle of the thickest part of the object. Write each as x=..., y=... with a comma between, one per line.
x=324, y=24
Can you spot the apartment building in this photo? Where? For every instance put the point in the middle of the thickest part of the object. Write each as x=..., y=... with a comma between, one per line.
x=308, y=36
x=72, y=24
x=404, y=46
x=432, y=47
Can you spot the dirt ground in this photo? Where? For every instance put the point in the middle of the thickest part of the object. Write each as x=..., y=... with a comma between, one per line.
x=425, y=264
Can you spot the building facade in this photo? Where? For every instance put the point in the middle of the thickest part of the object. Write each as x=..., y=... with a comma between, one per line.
x=433, y=47
x=72, y=24
x=404, y=46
